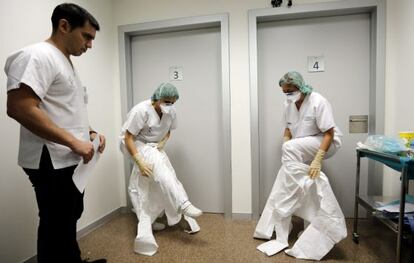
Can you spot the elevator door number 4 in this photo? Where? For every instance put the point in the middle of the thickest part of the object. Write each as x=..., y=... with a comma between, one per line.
x=316, y=64
x=176, y=73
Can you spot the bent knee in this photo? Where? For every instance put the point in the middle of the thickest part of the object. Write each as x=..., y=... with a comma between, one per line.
x=288, y=147
x=290, y=152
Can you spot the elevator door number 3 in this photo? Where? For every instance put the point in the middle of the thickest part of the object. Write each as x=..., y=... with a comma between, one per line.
x=176, y=73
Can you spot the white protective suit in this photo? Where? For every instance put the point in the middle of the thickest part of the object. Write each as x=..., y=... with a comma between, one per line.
x=295, y=193
x=163, y=192
x=150, y=198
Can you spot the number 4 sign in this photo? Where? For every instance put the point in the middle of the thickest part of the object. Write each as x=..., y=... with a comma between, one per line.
x=316, y=64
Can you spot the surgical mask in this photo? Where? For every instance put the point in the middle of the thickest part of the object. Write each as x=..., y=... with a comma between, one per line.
x=167, y=108
x=293, y=96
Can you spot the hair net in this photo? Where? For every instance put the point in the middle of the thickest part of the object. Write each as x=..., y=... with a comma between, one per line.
x=296, y=79
x=165, y=90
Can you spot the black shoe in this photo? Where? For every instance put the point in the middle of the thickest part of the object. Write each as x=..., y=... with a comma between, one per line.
x=102, y=260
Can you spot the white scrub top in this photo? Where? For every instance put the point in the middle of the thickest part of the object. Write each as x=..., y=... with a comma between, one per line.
x=144, y=122
x=46, y=70
x=314, y=117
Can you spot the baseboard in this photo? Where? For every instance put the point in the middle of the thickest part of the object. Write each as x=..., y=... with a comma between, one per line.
x=91, y=227
x=241, y=216
x=31, y=260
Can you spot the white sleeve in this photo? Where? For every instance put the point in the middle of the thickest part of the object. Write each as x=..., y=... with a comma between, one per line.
x=174, y=122
x=285, y=114
x=136, y=120
x=324, y=116
x=31, y=69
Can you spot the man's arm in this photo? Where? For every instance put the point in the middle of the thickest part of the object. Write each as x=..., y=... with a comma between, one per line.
x=102, y=139
x=23, y=106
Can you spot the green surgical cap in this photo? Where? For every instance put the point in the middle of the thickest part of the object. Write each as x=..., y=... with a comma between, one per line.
x=165, y=90
x=296, y=79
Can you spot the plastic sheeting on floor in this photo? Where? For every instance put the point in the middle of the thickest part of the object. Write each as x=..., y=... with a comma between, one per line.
x=295, y=193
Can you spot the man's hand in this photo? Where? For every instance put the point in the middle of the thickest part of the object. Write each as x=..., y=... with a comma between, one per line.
x=102, y=141
x=84, y=149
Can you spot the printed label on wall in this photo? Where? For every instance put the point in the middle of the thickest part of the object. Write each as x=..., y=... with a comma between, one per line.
x=176, y=73
x=316, y=64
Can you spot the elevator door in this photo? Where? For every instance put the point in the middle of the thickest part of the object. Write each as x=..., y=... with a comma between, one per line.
x=344, y=42
x=195, y=147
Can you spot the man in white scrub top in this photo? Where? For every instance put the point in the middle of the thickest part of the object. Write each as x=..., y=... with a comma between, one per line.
x=153, y=186
x=45, y=95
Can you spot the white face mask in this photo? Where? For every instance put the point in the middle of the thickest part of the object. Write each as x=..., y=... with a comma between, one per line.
x=293, y=96
x=167, y=108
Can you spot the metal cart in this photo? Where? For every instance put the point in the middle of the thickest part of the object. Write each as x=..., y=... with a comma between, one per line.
x=403, y=164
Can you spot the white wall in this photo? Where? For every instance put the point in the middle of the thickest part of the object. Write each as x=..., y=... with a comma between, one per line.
x=399, y=81
x=23, y=22
x=138, y=11
x=400, y=60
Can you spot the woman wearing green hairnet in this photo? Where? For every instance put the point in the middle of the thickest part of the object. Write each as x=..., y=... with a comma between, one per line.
x=310, y=135
x=310, y=132
x=154, y=187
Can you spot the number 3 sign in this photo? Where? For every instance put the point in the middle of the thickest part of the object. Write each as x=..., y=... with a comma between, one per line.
x=176, y=73
x=316, y=64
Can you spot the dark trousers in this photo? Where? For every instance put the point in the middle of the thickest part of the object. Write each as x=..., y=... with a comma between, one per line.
x=60, y=206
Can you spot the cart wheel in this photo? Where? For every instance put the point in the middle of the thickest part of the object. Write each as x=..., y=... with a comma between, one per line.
x=355, y=238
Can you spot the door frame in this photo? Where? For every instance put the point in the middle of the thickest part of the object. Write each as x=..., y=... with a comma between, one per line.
x=125, y=35
x=376, y=10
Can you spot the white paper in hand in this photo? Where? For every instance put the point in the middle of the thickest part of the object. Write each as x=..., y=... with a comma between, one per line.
x=83, y=170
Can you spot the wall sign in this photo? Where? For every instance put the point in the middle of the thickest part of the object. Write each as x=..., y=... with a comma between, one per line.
x=316, y=64
x=176, y=73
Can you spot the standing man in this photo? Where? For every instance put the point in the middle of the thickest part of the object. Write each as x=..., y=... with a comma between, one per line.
x=45, y=95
